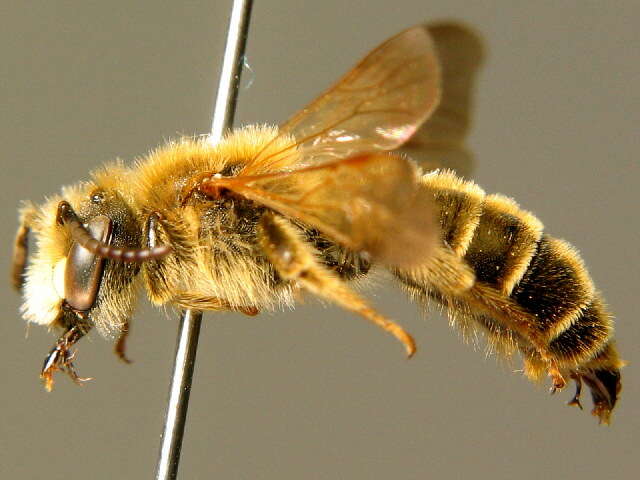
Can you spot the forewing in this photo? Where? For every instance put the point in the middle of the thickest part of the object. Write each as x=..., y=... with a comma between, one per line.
x=369, y=203
x=376, y=106
x=439, y=142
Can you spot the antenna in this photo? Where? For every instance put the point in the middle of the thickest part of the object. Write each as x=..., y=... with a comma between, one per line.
x=189, y=329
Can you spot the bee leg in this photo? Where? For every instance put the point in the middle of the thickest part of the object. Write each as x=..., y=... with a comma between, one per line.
x=121, y=344
x=296, y=261
x=21, y=246
x=512, y=316
x=60, y=358
x=575, y=401
x=159, y=273
x=155, y=271
x=557, y=380
x=152, y=228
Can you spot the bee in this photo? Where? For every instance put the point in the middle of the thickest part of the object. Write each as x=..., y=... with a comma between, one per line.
x=251, y=222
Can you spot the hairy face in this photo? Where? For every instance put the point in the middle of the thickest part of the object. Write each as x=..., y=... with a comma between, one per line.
x=66, y=283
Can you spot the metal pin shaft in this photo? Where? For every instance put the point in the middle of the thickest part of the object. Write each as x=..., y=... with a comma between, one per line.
x=225, y=107
x=189, y=330
x=186, y=348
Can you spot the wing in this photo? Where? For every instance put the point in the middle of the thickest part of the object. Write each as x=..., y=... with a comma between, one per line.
x=369, y=203
x=439, y=142
x=377, y=106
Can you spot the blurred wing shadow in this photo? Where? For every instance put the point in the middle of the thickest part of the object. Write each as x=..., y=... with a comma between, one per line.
x=439, y=143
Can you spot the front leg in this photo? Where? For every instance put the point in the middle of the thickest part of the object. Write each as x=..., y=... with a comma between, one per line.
x=21, y=246
x=296, y=261
x=162, y=275
x=121, y=343
x=60, y=357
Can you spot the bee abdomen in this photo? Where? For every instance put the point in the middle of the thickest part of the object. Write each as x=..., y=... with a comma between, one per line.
x=489, y=233
x=503, y=244
x=585, y=336
x=557, y=290
x=507, y=250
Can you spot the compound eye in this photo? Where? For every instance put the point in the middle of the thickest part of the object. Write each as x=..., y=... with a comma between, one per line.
x=83, y=270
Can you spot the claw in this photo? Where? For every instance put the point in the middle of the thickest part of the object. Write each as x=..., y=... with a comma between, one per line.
x=70, y=370
x=61, y=358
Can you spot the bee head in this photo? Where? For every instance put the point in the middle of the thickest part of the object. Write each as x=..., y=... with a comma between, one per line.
x=86, y=259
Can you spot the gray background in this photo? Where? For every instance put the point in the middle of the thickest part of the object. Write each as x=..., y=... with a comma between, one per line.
x=318, y=393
